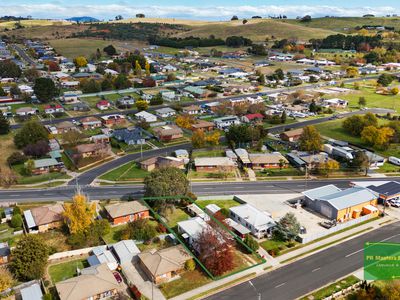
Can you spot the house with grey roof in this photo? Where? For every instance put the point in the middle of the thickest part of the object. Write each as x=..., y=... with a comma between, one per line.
x=341, y=205
x=165, y=112
x=131, y=135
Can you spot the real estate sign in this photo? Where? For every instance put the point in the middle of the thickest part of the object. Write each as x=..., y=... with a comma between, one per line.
x=381, y=261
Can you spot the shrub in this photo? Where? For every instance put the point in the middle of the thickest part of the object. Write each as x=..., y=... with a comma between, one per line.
x=16, y=158
x=190, y=265
x=16, y=221
x=251, y=242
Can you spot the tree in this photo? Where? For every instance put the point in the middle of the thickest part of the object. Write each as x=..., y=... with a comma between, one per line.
x=184, y=121
x=157, y=100
x=362, y=101
x=394, y=91
x=306, y=19
x=141, y=105
x=4, y=125
x=30, y=257
x=6, y=279
x=80, y=61
x=9, y=69
x=234, y=18
x=28, y=167
x=166, y=182
x=251, y=242
x=385, y=79
x=73, y=137
x=30, y=133
x=31, y=74
x=215, y=250
x=329, y=166
x=244, y=21
x=287, y=229
x=361, y=162
x=377, y=137
x=110, y=50
x=138, y=69
x=90, y=86
x=52, y=66
x=283, y=117
x=44, y=89
x=355, y=124
x=122, y=82
x=310, y=140
x=147, y=68
x=213, y=138
x=16, y=158
x=107, y=84
x=38, y=149
x=352, y=72
x=140, y=229
x=198, y=139
x=16, y=221
x=79, y=214
x=2, y=92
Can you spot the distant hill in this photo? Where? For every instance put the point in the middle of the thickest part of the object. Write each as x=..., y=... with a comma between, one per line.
x=82, y=19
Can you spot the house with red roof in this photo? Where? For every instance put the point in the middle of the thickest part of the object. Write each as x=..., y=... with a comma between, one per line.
x=252, y=118
x=103, y=105
x=51, y=109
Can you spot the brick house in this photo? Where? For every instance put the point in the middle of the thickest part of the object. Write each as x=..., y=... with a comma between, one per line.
x=111, y=120
x=168, y=133
x=43, y=218
x=125, y=212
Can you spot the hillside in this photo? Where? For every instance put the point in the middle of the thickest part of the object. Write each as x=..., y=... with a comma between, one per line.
x=32, y=23
x=339, y=24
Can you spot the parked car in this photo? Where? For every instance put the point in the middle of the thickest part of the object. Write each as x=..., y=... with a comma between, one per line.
x=117, y=277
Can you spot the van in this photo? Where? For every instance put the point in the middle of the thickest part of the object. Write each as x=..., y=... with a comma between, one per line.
x=394, y=160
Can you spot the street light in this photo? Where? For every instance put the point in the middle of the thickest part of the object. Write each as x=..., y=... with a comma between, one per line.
x=255, y=289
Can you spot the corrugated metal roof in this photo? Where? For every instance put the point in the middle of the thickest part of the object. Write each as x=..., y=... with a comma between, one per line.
x=30, y=222
x=349, y=197
x=322, y=191
x=33, y=292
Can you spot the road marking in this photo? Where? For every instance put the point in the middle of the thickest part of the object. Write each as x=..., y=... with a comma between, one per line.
x=315, y=270
x=355, y=252
x=279, y=285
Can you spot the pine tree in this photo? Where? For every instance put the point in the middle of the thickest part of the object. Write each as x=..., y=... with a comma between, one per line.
x=4, y=125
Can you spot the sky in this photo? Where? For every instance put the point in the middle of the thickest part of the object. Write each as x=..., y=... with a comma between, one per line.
x=195, y=9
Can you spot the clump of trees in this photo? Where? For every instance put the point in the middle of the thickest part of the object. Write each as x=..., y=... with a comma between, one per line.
x=356, y=123
x=31, y=132
x=45, y=89
x=240, y=135
x=287, y=229
x=140, y=230
x=166, y=182
x=310, y=140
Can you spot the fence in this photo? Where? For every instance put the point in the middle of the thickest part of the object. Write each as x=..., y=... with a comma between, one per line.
x=305, y=240
x=72, y=253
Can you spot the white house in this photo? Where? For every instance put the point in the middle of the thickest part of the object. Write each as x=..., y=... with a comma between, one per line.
x=190, y=229
x=165, y=112
x=225, y=122
x=258, y=222
x=335, y=102
x=169, y=95
x=144, y=115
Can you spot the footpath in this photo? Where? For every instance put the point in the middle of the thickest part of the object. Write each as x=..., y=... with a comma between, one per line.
x=277, y=262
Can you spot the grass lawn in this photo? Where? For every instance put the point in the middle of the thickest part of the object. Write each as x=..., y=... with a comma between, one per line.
x=114, y=235
x=277, y=172
x=221, y=203
x=275, y=245
x=91, y=101
x=208, y=153
x=63, y=271
x=389, y=168
x=6, y=148
x=6, y=234
x=127, y=172
x=188, y=281
x=175, y=216
x=333, y=288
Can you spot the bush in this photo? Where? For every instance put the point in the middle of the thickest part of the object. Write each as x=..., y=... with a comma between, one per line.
x=16, y=158
x=224, y=211
x=161, y=228
x=17, y=210
x=140, y=230
x=16, y=221
x=251, y=242
x=190, y=265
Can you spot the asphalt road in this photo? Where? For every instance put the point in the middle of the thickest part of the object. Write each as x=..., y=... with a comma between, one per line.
x=301, y=277
x=23, y=55
x=65, y=193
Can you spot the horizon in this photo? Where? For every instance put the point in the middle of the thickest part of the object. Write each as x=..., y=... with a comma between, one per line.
x=188, y=9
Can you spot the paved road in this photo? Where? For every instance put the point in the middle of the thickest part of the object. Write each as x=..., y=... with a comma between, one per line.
x=303, y=276
x=23, y=55
x=202, y=189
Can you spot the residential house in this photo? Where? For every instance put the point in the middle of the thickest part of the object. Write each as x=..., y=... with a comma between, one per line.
x=103, y=105
x=181, y=154
x=90, y=123
x=192, y=110
x=112, y=120
x=43, y=218
x=291, y=135
x=202, y=125
x=165, y=112
x=335, y=103
x=168, y=133
x=5, y=253
x=341, y=205
x=243, y=157
x=101, y=255
x=92, y=150
x=46, y=165
x=163, y=265
x=161, y=162
x=125, y=251
x=80, y=106
x=225, y=122
x=26, y=111
x=196, y=91
x=214, y=164
x=124, y=212
x=252, y=118
x=95, y=282
x=258, y=222
x=126, y=101
x=100, y=138
x=146, y=116
x=51, y=109
x=267, y=161
x=192, y=228
x=71, y=96
x=169, y=95
x=64, y=127
x=131, y=135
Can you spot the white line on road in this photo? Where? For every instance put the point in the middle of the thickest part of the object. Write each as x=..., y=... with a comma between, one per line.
x=355, y=252
x=315, y=270
x=279, y=285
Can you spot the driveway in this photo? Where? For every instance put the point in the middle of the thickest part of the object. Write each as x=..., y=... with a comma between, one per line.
x=134, y=275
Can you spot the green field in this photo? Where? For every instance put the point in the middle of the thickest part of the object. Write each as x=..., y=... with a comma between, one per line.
x=221, y=203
